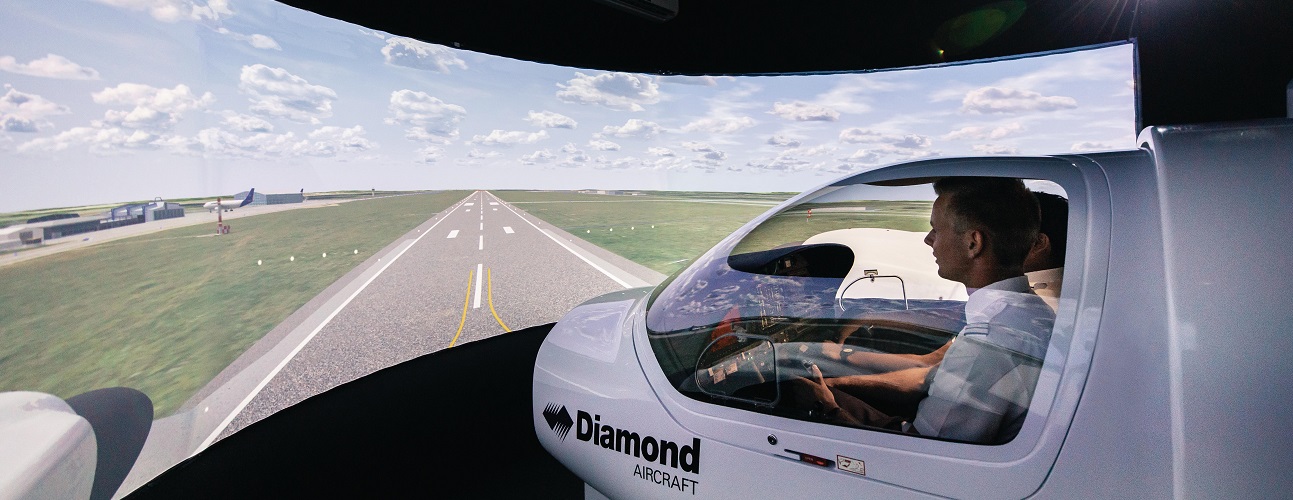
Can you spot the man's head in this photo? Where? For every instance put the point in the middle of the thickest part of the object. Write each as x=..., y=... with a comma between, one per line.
x=982, y=228
x=1048, y=250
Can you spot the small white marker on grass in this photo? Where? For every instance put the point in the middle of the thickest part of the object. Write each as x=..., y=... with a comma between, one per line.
x=356, y=251
x=325, y=255
x=258, y=262
x=291, y=258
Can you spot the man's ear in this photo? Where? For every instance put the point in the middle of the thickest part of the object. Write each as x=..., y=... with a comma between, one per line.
x=1041, y=249
x=972, y=241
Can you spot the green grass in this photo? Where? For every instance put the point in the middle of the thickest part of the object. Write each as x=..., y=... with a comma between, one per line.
x=165, y=312
x=684, y=226
x=795, y=226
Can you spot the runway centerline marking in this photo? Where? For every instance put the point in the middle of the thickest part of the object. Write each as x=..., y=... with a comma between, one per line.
x=465, y=301
x=482, y=226
x=476, y=305
x=508, y=229
x=489, y=282
x=482, y=243
x=452, y=234
x=273, y=373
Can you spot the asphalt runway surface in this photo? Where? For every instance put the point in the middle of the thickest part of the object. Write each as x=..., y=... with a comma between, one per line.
x=480, y=269
x=472, y=271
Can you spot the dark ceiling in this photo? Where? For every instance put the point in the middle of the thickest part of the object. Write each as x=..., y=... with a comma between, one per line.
x=1199, y=60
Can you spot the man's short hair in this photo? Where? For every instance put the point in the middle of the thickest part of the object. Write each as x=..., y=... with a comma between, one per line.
x=1001, y=208
x=1055, y=224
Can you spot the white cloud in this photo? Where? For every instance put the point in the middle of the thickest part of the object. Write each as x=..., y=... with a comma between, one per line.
x=22, y=112
x=570, y=148
x=549, y=119
x=479, y=154
x=276, y=93
x=635, y=128
x=176, y=10
x=433, y=120
x=429, y=154
x=1088, y=146
x=994, y=149
x=1076, y=67
x=214, y=142
x=620, y=91
x=715, y=125
x=246, y=123
x=783, y=141
x=102, y=141
x=50, y=66
x=899, y=146
x=817, y=150
x=540, y=156
x=975, y=132
x=704, y=81
x=603, y=145
x=151, y=108
x=853, y=93
x=1009, y=100
x=509, y=137
x=415, y=54
x=714, y=155
x=325, y=142
x=863, y=157
x=856, y=135
x=255, y=40
x=698, y=146
x=663, y=152
x=802, y=112
x=331, y=141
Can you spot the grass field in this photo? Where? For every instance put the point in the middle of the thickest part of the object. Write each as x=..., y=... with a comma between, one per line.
x=165, y=312
x=685, y=224
x=688, y=223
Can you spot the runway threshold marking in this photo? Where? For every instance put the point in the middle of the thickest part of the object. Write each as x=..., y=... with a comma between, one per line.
x=478, y=277
x=489, y=281
x=281, y=364
x=465, y=301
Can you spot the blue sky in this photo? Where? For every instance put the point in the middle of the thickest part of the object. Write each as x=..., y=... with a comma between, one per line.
x=117, y=100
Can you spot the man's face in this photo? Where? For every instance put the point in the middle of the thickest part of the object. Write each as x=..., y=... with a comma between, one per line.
x=950, y=252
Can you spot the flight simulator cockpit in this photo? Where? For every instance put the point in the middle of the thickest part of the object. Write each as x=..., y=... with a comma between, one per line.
x=838, y=293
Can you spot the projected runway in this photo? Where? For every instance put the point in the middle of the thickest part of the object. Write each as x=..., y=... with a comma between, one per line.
x=478, y=269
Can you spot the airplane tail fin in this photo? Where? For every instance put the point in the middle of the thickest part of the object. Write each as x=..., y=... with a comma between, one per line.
x=250, y=195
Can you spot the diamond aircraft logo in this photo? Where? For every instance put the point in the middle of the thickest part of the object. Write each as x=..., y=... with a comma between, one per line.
x=558, y=419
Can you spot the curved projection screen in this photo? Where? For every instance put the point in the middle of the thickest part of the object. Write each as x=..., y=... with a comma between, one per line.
x=109, y=105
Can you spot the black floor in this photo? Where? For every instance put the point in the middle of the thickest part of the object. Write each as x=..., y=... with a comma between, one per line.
x=451, y=424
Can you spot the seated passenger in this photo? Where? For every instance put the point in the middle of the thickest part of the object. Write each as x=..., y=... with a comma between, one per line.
x=982, y=231
x=1045, y=263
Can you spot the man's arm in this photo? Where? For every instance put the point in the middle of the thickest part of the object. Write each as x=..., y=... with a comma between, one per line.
x=906, y=385
x=876, y=362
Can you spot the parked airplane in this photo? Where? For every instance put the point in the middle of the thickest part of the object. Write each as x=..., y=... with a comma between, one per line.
x=229, y=206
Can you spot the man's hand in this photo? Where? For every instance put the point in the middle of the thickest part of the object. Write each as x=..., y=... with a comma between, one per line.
x=813, y=394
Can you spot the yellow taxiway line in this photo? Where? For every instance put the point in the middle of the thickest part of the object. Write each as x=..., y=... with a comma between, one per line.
x=466, y=301
x=489, y=275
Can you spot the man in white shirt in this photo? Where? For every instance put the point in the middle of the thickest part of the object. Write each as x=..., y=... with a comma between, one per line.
x=982, y=231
